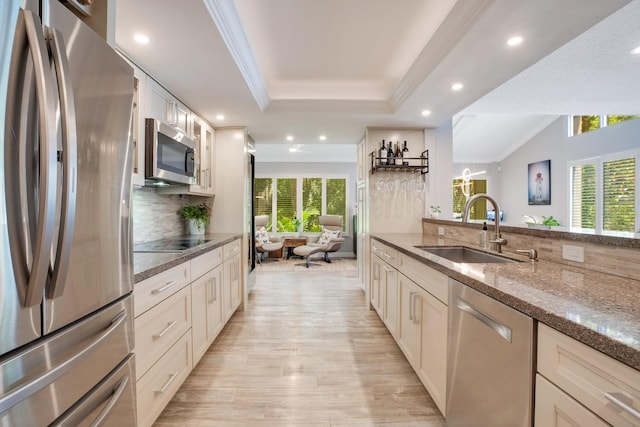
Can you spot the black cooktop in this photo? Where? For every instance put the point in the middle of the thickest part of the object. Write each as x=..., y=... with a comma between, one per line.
x=170, y=245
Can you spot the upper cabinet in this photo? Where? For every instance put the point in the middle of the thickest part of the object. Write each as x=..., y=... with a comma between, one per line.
x=137, y=125
x=163, y=106
x=203, y=134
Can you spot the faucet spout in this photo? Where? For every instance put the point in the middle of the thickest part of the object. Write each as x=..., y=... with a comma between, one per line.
x=498, y=240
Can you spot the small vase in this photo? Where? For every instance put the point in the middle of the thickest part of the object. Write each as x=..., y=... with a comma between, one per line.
x=193, y=227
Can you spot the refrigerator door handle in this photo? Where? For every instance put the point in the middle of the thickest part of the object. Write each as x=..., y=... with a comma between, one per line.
x=25, y=390
x=69, y=163
x=31, y=283
x=117, y=393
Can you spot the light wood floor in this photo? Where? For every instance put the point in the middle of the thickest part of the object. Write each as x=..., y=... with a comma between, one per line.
x=306, y=352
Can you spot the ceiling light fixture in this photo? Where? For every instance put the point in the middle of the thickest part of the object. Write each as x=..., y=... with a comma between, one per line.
x=220, y=117
x=514, y=41
x=426, y=113
x=322, y=138
x=636, y=51
x=457, y=86
x=289, y=138
x=141, y=39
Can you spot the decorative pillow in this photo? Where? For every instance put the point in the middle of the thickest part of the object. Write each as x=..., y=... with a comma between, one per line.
x=262, y=236
x=327, y=235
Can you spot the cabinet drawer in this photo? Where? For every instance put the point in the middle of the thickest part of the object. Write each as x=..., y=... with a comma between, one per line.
x=151, y=291
x=554, y=408
x=205, y=262
x=386, y=253
x=230, y=249
x=599, y=382
x=157, y=387
x=159, y=328
x=432, y=281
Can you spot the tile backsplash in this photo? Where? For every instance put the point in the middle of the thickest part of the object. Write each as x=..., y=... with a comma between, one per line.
x=156, y=216
x=618, y=256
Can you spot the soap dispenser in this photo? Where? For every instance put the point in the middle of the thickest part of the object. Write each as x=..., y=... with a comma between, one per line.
x=484, y=241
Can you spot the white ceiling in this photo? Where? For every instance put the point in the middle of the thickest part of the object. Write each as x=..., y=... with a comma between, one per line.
x=334, y=67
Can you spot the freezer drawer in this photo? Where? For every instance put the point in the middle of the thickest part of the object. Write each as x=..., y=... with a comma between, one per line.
x=110, y=404
x=41, y=382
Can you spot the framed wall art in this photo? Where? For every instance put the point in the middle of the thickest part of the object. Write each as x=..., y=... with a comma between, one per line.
x=540, y=183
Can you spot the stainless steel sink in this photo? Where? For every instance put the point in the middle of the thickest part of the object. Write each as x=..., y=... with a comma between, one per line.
x=464, y=254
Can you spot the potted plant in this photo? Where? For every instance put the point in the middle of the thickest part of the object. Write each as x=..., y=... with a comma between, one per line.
x=435, y=211
x=197, y=217
x=296, y=226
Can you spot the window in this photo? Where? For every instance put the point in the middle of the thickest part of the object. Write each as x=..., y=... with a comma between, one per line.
x=264, y=197
x=286, y=204
x=603, y=195
x=304, y=198
x=583, y=124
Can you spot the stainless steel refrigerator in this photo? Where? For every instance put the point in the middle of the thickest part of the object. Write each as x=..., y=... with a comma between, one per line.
x=66, y=324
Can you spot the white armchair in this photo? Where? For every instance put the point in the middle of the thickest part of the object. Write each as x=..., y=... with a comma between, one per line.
x=329, y=240
x=265, y=242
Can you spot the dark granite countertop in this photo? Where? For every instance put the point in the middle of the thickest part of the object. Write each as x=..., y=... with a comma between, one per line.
x=147, y=264
x=597, y=309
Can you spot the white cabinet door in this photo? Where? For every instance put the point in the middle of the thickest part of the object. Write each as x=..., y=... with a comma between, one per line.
x=163, y=106
x=376, y=285
x=391, y=299
x=433, y=347
x=199, y=303
x=214, y=304
x=231, y=293
x=554, y=408
x=409, y=339
x=137, y=126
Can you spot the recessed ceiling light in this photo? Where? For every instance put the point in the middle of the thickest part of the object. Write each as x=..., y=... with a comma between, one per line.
x=514, y=41
x=141, y=38
x=322, y=138
x=636, y=51
x=220, y=117
x=289, y=138
x=457, y=86
x=426, y=113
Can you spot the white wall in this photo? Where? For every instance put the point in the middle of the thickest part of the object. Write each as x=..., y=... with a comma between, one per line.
x=394, y=211
x=439, y=142
x=319, y=170
x=554, y=143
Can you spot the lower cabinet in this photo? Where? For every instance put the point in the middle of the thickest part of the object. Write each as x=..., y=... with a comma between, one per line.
x=555, y=408
x=206, y=311
x=578, y=385
x=178, y=315
x=412, y=301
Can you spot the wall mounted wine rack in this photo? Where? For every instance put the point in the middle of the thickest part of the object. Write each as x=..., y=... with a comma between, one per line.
x=422, y=167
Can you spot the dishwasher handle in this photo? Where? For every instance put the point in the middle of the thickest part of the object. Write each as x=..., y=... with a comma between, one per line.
x=497, y=327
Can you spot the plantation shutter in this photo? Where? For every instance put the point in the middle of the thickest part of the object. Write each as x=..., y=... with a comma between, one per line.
x=286, y=206
x=618, y=195
x=337, y=199
x=311, y=204
x=583, y=197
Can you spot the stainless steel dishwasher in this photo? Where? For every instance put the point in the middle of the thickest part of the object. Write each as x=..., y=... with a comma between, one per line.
x=490, y=369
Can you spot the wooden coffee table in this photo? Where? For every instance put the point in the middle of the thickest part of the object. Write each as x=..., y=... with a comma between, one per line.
x=288, y=243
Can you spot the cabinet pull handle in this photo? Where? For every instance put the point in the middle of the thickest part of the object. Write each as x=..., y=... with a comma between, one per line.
x=164, y=288
x=172, y=377
x=416, y=297
x=165, y=330
x=215, y=289
x=387, y=269
x=211, y=299
x=497, y=327
x=411, y=316
x=613, y=398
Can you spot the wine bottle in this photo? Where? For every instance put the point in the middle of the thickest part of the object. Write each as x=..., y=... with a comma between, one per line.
x=398, y=154
x=405, y=155
x=383, y=155
x=390, y=160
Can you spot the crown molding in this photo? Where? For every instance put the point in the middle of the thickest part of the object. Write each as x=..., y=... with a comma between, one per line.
x=341, y=106
x=454, y=27
x=225, y=16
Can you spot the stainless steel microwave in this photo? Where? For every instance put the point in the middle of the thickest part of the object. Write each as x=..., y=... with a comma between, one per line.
x=170, y=154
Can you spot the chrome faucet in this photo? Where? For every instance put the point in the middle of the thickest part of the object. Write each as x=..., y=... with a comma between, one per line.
x=498, y=240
